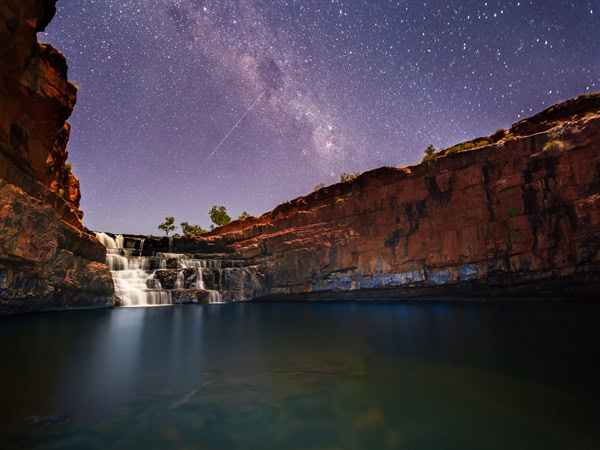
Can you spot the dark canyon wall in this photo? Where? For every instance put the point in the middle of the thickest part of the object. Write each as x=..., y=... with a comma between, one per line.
x=48, y=260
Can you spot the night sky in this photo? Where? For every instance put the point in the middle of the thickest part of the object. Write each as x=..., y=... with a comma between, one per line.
x=337, y=86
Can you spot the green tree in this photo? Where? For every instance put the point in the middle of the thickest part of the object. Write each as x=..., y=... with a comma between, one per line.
x=244, y=216
x=167, y=225
x=190, y=230
x=348, y=176
x=318, y=187
x=219, y=216
x=429, y=155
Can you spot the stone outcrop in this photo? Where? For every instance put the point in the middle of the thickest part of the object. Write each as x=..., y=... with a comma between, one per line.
x=509, y=218
x=48, y=260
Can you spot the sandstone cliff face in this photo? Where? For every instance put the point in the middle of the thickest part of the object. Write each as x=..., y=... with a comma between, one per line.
x=47, y=259
x=508, y=218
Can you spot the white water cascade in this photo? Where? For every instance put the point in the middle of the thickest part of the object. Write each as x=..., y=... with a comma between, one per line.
x=135, y=281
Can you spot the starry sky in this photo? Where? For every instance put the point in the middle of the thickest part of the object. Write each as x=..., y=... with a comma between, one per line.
x=321, y=87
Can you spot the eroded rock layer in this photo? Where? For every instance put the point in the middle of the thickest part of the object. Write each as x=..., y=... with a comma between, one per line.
x=516, y=216
x=48, y=260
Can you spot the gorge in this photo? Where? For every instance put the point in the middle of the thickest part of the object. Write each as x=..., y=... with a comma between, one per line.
x=508, y=218
x=450, y=304
x=501, y=216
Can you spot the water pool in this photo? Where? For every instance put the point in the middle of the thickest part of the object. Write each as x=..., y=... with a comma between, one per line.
x=327, y=375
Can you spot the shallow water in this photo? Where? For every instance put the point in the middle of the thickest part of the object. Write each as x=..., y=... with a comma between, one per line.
x=303, y=376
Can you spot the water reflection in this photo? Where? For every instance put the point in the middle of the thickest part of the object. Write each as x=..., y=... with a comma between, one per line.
x=322, y=375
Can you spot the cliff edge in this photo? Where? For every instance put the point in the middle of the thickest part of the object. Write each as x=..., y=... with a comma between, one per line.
x=517, y=213
x=48, y=260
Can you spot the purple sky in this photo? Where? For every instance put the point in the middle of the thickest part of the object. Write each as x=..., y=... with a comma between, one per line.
x=339, y=86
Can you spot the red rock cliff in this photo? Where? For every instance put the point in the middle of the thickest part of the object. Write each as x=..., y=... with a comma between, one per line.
x=512, y=217
x=47, y=258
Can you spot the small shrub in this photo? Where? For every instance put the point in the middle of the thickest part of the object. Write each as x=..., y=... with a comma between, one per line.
x=68, y=167
x=554, y=148
x=61, y=193
x=498, y=134
x=512, y=211
x=75, y=85
x=318, y=187
x=428, y=159
x=244, y=216
x=348, y=176
x=430, y=155
x=466, y=146
x=190, y=230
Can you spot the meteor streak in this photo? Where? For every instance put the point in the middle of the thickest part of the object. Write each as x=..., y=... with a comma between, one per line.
x=236, y=124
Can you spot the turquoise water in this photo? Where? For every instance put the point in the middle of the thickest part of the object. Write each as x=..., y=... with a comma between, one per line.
x=304, y=376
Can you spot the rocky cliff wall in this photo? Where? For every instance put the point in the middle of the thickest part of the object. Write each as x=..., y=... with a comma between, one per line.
x=48, y=260
x=510, y=217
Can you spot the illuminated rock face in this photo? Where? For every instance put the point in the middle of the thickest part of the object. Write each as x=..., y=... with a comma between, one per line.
x=47, y=258
x=507, y=218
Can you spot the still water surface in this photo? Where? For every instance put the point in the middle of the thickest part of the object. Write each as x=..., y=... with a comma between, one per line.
x=304, y=376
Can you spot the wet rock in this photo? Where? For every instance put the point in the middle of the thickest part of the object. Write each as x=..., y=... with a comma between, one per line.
x=183, y=296
x=166, y=277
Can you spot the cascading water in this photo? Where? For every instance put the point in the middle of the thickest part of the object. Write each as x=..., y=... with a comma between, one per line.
x=136, y=283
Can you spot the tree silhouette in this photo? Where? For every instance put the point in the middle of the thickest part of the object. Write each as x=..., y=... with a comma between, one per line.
x=167, y=225
x=244, y=216
x=219, y=216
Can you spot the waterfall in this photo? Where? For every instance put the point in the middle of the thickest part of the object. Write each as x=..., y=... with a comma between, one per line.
x=135, y=284
x=180, y=282
x=199, y=278
x=135, y=275
x=106, y=240
x=214, y=297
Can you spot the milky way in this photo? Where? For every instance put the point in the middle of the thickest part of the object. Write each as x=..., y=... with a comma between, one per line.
x=339, y=86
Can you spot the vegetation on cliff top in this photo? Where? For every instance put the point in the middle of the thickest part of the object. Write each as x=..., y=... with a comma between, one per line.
x=168, y=225
x=348, y=176
x=219, y=216
x=244, y=216
x=190, y=230
x=430, y=155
